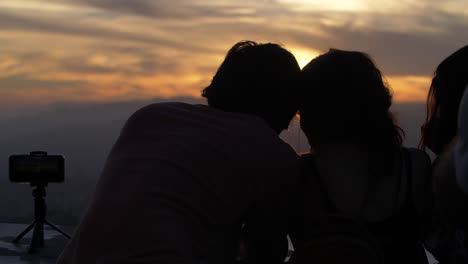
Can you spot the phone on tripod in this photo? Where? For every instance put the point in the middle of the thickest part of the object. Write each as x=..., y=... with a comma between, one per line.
x=37, y=167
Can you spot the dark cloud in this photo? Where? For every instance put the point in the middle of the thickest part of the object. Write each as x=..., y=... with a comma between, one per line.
x=407, y=53
x=22, y=82
x=144, y=65
x=34, y=24
x=186, y=9
x=149, y=61
x=398, y=52
x=74, y=67
x=142, y=7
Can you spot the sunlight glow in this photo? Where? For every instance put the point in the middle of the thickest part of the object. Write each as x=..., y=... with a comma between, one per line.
x=36, y=5
x=338, y=5
x=304, y=56
x=409, y=88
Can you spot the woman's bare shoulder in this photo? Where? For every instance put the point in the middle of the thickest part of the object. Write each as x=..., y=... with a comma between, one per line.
x=419, y=158
x=422, y=180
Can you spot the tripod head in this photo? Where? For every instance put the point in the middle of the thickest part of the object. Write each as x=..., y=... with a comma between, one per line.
x=39, y=190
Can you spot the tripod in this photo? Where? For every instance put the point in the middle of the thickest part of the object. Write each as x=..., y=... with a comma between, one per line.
x=40, y=207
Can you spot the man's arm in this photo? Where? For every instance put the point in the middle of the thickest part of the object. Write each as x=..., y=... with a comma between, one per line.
x=269, y=221
x=264, y=242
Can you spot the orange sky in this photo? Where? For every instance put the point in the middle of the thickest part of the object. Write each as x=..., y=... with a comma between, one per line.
x=114, y=50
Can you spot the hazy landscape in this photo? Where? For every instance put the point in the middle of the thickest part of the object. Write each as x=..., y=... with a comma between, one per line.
x=84, y=134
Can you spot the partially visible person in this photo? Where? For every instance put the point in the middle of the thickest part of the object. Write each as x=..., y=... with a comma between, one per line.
x=461, y=149
x=443, y=101
x=182, y=180
x=358, y=166
x=439, y=134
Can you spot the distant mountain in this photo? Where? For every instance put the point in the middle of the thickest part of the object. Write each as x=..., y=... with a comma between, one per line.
x=84, y=134
x=410, y=117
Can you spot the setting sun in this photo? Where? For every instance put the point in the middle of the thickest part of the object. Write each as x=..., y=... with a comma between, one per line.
x=304, y=56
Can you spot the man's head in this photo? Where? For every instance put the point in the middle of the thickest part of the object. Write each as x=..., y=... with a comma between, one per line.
x=259, y=79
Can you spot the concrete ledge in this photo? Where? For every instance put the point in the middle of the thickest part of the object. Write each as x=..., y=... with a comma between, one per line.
x=54, y=242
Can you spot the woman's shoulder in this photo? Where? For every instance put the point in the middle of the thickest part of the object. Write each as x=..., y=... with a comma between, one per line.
x=421, y=175
x=420, y=164
x=418, y=157
x=307, y=161
x=307, y=156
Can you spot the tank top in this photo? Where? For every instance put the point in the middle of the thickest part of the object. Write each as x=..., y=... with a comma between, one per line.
x=398, y=234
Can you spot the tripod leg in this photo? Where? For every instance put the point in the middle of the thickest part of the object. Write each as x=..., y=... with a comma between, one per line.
x=56, y=228
x=18, y=238
x=37, y=240
x=41, y=234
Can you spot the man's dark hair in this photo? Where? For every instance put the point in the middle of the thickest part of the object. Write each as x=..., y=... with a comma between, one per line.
x=259, y=79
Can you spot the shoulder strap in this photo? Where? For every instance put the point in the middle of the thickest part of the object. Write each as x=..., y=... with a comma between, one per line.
x=321, y=192
x=367, y=196
x=312, y=178
x=309, y=163
x=407, y=173
x=409, y=177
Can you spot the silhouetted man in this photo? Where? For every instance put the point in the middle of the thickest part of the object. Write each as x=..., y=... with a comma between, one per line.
x=182, y=179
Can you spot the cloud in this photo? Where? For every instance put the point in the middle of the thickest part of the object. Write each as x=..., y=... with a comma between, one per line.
x=20, y=82
x=23, y=89
x=404, y=53
x=136, y=49
x=35, y=24
x=186, y=9
x=415, y=88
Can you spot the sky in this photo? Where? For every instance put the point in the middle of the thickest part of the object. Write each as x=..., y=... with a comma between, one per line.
x=121, y=50
x=88, y=64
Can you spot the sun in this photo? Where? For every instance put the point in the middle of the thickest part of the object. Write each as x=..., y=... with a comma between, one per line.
x=304, y=56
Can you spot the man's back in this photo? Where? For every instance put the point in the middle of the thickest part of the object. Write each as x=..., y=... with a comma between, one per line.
x=178, y=184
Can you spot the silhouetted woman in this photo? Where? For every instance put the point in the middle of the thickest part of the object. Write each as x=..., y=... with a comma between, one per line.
x=443, y=100
x=357, y=162
x=439, y=134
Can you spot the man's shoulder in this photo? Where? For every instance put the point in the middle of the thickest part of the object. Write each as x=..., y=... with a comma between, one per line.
x=201, y=117
x=163, y=110
x=186, y=109
x=279, y=155
x=164, y=106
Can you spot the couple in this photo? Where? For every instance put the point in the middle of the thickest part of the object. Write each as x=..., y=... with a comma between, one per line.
x=186, y=183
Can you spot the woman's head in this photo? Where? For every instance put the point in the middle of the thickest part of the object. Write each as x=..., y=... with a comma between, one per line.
x=345, y=99
x=443, y=100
